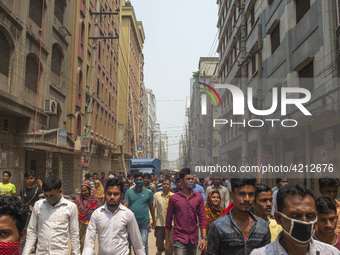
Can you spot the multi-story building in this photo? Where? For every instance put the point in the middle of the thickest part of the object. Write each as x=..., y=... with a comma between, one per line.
x=151, y=124
x=144, y=123
x=164, y=151
x=201, y=136
x=35, y=45
x=130, y=77
x=284, y=43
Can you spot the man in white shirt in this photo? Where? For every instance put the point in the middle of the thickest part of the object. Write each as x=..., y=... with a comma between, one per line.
x=113, y=222
x=225, y=199
x=53, y=220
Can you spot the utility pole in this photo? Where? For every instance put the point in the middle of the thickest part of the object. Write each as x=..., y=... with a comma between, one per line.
x=259, y=92
x=244, y=82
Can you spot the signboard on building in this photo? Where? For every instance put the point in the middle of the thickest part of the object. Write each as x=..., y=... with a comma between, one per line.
x=201, y=144
x=84, y=159
x=61, y=137
x=139, y=147
x=85, y=141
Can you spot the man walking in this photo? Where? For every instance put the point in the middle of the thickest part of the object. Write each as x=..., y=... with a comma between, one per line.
x=329, y=187
x=7, y=188
x=31, y=193
x=140, y=200
x=161, y=200
x=297, y=215
x=13, y=216
x=224, y=193
x=263, y=207
x=53, y=220
x=113, y=222
x=185, y=207
x=146, y=183
x=239, y=231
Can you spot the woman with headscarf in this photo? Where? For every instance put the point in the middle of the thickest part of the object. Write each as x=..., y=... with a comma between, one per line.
x=213, y=206
x=98, y=191
x=86, y=204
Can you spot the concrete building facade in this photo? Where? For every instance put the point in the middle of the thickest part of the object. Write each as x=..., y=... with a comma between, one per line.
x=285, y=42
x=35, y=45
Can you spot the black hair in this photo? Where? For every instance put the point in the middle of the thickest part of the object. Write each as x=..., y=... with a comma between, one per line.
x=39, y=178
x=325, y=204
x=277, y=180
x=130, y=175
x=259, y=188
x=7, y=172
x=293, y=190
x=110, y=173
x=87, y=176
x=166, y=179
x=146, y=175
x=184, y=172
x=333, y=182
x=29, y=173
x=94, y=174
x=17, y=210
x=138, y=174
x=215, y=191
x=52, y=182
x=114, y=182
x=177, y=179
x=161, y=173
x=103, y=173
x=240, y=182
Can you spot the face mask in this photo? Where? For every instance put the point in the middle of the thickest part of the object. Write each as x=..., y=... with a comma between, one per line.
x=85, y=196
x=161, y=179
x=130, y=181
x=300, y=231
x=10, y=248
x=52, y=200
x=190, y=184
x=139, y=184
x=284, y=183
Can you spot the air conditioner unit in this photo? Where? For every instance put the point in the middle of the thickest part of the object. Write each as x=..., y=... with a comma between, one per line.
x=93, y=149
x=51, y=107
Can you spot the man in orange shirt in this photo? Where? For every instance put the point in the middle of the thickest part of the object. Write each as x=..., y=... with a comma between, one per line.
x=329, y=187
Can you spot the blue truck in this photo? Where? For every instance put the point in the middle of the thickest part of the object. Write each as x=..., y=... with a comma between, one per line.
x=144, y=165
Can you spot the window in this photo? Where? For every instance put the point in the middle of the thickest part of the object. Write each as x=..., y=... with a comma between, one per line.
x=275, y=38
x=57, y=59
x=252, y=17
x=35, y=12
x=306, y=76
x=302, y=7
x=59, y=7
x=4, y=54
x=5, y=125
x=31, y=75
x=253, y=64
x=78, y=124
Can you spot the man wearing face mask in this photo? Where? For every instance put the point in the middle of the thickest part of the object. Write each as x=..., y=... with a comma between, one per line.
x=131, y=180
x=13, y=216
x=140, y=200
x=160, y=180
x=297, y=215
x=184, y=208
x=53, y=220
x=283, y=182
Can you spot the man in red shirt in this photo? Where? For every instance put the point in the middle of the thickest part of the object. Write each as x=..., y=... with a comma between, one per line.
x=185, y=207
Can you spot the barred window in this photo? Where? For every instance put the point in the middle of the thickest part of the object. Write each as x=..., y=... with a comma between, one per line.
x=275, y=38
x=306, y=77
x=59, y=7
x=57, y=59
x=302, y=7
x=4, y=54
x=35, y=12
x=253, y=64
x=31, y=75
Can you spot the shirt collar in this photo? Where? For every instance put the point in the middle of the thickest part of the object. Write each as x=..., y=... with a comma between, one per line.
x=61, y=201
x=105, y=208
x=169, y=193
x=280, y=250
x=181, y=194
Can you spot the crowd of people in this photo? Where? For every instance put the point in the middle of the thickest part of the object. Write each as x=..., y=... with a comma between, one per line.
x=188, y=215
